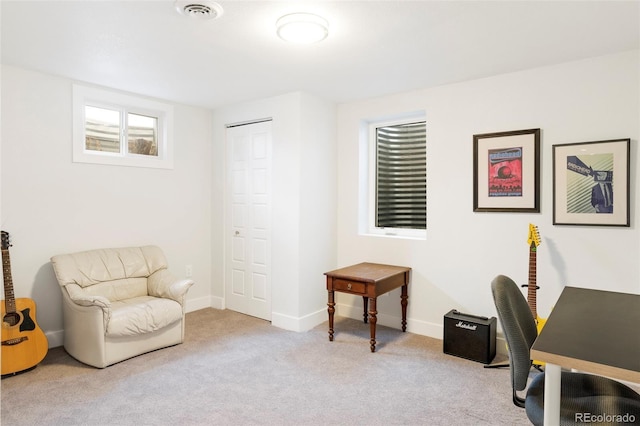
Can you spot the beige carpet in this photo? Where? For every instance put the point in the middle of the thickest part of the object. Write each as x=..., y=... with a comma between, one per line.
x=238, y=370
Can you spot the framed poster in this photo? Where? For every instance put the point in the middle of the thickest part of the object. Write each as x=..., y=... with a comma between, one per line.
x=591, y=183
x=506, y=171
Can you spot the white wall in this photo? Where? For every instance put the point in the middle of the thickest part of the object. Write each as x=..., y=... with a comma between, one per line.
x=318, y=204
x=590, y=100
x=52, y=206
x=303, y=202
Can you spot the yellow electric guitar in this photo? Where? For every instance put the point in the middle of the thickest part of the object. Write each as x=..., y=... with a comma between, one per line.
x=532, y=287
x=24, y=344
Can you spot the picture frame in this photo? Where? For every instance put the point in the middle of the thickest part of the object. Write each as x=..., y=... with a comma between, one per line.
x=506, y=171
x=586, y=175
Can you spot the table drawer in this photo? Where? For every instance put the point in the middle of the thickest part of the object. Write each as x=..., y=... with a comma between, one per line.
x=349, y=286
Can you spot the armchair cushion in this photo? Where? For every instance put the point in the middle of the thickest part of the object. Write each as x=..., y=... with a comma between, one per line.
x=143, y=314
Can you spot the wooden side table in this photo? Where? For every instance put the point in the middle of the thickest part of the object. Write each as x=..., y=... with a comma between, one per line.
x=368, y=280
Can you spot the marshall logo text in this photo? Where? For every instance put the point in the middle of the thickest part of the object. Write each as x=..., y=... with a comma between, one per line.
x=467, y=326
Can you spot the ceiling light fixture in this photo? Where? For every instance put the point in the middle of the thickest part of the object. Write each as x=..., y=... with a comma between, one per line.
x=199, y=9
x=302, y=28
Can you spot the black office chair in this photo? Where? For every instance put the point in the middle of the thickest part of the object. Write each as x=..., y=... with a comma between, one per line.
x=580, y=392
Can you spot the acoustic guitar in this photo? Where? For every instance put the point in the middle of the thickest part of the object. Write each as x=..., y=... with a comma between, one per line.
x=532, y=288
x=24, y=344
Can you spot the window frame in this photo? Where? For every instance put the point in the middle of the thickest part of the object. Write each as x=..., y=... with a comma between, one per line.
x=124, y=104
x=371, y=228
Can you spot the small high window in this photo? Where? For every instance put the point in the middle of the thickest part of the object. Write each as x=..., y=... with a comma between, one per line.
x=117, y=129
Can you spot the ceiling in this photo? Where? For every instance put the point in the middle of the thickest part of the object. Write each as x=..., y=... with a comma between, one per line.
x=374, y=48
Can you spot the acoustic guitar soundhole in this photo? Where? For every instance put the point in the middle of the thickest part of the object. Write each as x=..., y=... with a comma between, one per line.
x=11, y=319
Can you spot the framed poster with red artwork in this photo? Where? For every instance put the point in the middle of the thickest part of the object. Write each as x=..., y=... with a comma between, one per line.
x=506, y=171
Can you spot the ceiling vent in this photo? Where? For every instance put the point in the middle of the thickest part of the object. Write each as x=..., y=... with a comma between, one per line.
x=199, y=9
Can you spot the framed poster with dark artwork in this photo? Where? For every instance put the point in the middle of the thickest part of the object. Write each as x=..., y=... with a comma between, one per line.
x=591, y=183
x=506, y=171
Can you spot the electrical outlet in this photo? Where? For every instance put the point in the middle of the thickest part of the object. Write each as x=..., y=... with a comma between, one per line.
x=188, y=272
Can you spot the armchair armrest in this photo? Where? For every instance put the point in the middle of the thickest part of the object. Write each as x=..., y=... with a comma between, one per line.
x=79, y=297
x=163, y=283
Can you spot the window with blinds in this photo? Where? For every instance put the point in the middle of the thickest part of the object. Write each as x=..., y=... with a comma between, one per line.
x=401, y=176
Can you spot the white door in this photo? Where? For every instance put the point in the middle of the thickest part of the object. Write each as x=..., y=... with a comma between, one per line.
x=248, y=220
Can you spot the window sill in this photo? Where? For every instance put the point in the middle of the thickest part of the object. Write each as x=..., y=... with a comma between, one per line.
x=416, y=235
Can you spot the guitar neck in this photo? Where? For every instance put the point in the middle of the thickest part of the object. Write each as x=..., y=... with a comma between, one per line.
x=10, y=300
x=532, y=286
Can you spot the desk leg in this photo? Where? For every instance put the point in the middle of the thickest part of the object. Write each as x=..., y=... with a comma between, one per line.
x=403, y=303
x=372, y=322
x=331, y=309
x=552, y=394
x=365, y=303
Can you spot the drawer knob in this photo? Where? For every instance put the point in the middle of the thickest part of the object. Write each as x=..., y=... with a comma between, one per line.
x=348, y=286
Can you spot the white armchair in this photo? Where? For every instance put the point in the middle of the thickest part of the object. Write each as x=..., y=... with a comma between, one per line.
x=119, y=303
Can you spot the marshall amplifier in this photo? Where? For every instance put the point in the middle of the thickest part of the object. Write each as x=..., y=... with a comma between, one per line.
x=470, y=336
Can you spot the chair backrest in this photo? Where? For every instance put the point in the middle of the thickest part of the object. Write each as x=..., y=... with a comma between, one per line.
x=518, y=325
x=114, y=273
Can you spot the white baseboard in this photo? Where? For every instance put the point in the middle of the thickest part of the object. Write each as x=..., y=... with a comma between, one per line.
x=217, y=302
x=204, y=302
x=55, y=338
x=414, y=326
x=304, y=323
x=420, y=327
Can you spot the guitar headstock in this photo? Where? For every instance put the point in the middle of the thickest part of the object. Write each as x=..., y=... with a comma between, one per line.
x=534, y=236
x=5, y=240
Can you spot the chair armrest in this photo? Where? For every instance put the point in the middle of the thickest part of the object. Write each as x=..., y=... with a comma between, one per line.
x=163, y=283
x=79, y=297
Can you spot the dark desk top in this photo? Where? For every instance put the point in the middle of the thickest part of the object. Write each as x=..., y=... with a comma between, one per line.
x=368, y=272
x=593, y=330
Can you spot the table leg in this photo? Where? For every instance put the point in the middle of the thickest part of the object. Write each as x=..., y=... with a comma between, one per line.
x=403, y=303
x=365, y=303
x=331, y=309
x=372, y=322
x=552, y=394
